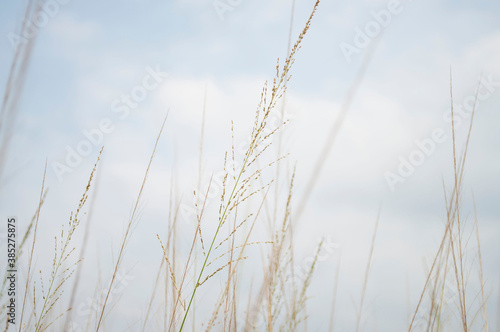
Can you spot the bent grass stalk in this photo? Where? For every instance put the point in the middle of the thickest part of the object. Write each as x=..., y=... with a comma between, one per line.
x=451, y=210
x=367, y=273
x=129, y=229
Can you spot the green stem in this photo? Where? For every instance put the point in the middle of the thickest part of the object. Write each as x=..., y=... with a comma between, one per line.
x=249, y=152
x=213, y=240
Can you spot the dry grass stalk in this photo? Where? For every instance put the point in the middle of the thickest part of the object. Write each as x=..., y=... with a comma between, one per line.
x=82, y=254
x=334, y=297
x=171, y=270
x=301, y=303
x=20, y=250
x=30, y=260
x=367, y=274
x=227, y=288
x=191, y=251
x=58, y=278
x=128, y=230
x=335, y=129
x=481, y=277
x=453, y=235
x=153, y=296
x=15, y=82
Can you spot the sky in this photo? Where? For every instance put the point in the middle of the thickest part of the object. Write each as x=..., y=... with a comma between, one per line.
x=178, y=56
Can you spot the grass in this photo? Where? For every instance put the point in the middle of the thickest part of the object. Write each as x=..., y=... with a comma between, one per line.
x=279, y=300
x=452, y=244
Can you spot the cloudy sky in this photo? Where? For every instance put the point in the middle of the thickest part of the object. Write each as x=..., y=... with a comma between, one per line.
x=393, y=151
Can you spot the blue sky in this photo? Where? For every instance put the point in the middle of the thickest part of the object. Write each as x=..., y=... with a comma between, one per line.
x=92, y=52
